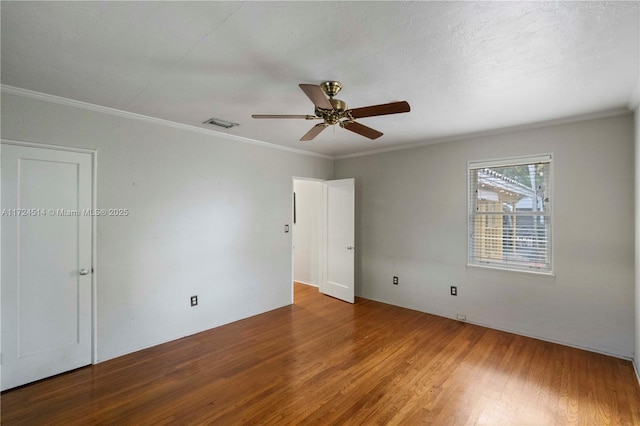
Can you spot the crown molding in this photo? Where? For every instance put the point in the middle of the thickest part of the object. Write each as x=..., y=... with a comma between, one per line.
x=148, y=119
x=521, y=127
x=633, y=104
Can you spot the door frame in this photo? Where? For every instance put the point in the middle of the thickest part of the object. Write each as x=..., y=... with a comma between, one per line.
x=292, y=228
x=94, y=243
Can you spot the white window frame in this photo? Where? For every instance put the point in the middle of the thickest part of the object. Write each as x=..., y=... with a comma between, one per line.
x=471, y=205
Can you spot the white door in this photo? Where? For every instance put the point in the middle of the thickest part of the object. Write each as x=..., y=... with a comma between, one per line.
x=46, y=262
x=339, y=241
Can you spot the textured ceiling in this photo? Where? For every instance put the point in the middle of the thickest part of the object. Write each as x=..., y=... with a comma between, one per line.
x=463, y=66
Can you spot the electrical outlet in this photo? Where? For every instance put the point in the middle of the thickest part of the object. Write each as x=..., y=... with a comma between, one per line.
x=461, y=317
x=194, y=300
x=395, y=280
x=286, y=229
x=454, y=290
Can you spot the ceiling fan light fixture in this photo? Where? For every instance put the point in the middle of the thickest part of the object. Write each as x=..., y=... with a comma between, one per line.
x=221, y=123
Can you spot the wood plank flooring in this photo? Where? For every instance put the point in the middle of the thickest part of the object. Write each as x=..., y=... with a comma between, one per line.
x=325, y=362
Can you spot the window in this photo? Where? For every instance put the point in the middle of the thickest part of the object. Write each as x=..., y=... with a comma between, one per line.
x=510, y=214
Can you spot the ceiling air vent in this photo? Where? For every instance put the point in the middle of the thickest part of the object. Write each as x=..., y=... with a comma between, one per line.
x=221, y=123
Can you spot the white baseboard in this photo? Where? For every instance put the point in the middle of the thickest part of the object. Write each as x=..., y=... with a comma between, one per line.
x=305, y=283
x=635, y=367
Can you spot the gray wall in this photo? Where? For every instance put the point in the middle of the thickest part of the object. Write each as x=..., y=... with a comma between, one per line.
x=207, y=218
x=411, y=209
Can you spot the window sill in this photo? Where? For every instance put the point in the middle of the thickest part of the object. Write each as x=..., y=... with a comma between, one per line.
x=525, y=271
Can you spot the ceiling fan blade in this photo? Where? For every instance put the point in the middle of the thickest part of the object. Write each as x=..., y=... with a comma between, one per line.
x=361, y=129
x=383, y=109
x=306, y=117
x=316, y=95
x=315, y=131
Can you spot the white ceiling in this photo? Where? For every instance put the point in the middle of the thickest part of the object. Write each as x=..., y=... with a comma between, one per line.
x=463, y=66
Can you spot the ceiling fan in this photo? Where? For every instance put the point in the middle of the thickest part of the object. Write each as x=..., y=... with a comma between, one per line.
x=334, y=111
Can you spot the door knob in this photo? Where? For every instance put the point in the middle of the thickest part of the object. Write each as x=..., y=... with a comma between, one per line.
x=351, y=247
x=83, y=272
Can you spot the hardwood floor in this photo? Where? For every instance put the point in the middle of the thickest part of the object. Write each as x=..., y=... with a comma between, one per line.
x=323, y=361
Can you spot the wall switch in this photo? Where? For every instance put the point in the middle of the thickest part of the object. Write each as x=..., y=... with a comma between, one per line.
x=454, y=290
x=395, y=280
x=194, y=300
x=461, y=317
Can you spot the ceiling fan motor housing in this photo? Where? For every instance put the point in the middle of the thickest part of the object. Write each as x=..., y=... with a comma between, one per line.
x=338, y=105
x=331, y=88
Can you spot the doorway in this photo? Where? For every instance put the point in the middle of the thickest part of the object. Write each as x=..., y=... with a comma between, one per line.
x=323, y=249
x=307, y=231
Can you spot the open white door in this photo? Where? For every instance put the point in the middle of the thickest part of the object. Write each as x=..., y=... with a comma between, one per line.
x=46, y=262
x=339, y=239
